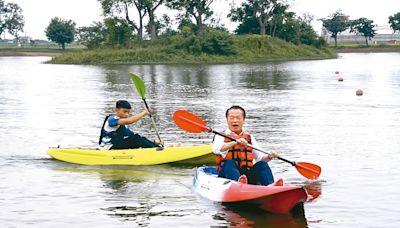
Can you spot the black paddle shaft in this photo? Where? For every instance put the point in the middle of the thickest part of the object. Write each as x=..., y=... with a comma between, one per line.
x=147, y=107
x=152, y=120
x=235, y=140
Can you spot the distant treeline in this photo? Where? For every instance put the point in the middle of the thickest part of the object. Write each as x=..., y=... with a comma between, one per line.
x=197, y=25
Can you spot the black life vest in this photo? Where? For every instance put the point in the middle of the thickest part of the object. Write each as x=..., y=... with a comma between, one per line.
x=116, y=136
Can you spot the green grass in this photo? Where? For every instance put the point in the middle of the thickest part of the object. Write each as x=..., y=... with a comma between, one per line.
x=361, y=45
x=46, y=48
x=249, y=48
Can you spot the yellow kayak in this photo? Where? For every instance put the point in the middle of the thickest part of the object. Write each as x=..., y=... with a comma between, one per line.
x=191, y=155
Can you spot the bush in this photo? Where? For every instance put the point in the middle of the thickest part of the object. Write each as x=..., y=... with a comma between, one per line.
x=210, y=41
x=217, y=42
x=92, y=36
x=320, y=42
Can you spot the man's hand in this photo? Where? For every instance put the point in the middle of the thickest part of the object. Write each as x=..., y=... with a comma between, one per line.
x=158, y=142
x=242, y=141
x=272, y=154
x=146, y=111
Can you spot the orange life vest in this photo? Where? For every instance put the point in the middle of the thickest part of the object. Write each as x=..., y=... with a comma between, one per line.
x=242, y=155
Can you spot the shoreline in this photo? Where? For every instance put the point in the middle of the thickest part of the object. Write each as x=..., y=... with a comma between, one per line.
x=194, y=62
x=338, y=51
x=28, y=53
x=241, y=49
x=226, y=61
x=368, y=50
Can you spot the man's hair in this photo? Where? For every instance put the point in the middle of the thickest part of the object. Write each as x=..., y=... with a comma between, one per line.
x=123, y=104
x=238, y=108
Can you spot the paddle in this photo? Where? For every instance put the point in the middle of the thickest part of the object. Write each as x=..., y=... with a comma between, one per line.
x=141, y=88
x=194, y=124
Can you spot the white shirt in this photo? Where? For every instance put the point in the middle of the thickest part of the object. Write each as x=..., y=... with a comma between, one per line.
x=219, y=142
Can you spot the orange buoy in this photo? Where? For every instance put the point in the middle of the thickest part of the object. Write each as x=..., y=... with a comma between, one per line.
x=359, y=92
x=340, y=79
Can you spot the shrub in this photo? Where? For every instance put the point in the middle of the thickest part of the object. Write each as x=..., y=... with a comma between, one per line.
x=217, y=42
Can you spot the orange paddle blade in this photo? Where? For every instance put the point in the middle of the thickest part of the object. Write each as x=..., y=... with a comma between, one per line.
x=190, y=122
x=308, y=170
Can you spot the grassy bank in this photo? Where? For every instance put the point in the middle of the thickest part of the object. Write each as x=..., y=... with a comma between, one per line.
x=358, y=47
x=50, y=49
x=29, y=52
x=252, y=48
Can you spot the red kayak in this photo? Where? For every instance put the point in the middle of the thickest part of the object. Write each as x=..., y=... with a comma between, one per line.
x=276, y=198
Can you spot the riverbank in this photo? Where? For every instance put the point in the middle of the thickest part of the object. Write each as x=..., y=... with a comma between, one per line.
x=362, y=48
x=368, y=50
x=31, y=51
x=252, y=48
x=21, y=53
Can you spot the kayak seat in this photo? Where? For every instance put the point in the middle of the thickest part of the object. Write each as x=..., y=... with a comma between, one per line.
x=279, y=182
x=210, y=170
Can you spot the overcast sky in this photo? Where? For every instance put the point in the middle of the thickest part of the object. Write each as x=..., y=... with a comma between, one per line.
x=38, y=13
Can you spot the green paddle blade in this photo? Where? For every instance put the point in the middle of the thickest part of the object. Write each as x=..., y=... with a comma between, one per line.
x=139, y=84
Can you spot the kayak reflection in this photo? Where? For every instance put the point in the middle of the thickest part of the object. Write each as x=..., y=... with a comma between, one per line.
x=119, y=174
x=243, y=217
x=313, y=189
x=141, y=196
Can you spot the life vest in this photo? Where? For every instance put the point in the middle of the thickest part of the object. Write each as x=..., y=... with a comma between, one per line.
x=242, y=155
x=116, y=136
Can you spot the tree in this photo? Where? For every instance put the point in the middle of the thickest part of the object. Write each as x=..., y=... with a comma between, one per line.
x=282, y=24
x=244, y=15
x=91, y=36
x=11, y=18
x=363, y=26
x=151, y=6
x=298, y=31
x=335, y=24
x=394, y=22
x=263, y=11
x=289, y=31
x=199, y=9
x=61, y=31
x=117, y=32
x=165, y=27
x=112, y=7
x=279, y=14
x=162, y=26
x=256, y=15
x=307, y=33
x=112, y=32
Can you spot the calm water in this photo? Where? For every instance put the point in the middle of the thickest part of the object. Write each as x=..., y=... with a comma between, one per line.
x=297, y=108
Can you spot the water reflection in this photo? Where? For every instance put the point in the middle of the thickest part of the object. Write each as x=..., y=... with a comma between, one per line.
x=138, y=194
x=267, y=77
x=237, y=215
x=252, y=217
x=314, y=189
